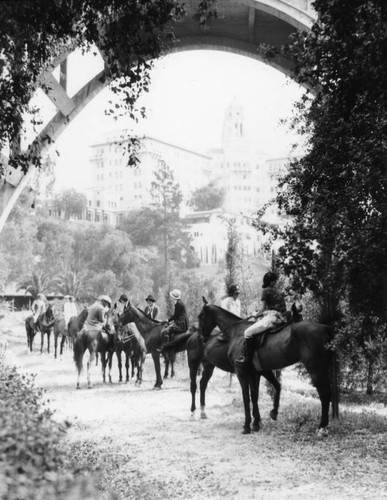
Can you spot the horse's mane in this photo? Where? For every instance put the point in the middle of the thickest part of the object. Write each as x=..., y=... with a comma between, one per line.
x=229, y=313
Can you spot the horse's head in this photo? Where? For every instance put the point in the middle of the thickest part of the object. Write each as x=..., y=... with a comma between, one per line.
x=128, y=316
x=110, y=323
x=49, y=313
x=206, y=320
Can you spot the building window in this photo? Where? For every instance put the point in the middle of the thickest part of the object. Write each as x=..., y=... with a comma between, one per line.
x=98, y=203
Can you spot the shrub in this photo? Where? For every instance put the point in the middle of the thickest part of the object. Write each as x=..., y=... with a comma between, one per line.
x=31, y=464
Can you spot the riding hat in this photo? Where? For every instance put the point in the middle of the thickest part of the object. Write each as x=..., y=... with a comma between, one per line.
x=106, y=298
x=150, y=298
x=233, y=289
x=175, y=294
x=123, y=298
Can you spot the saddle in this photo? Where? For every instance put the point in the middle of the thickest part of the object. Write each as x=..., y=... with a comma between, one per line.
x=125, y=334
x=261, y=337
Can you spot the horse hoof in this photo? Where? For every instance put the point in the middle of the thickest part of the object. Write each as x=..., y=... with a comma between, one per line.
x=203, y=416
x=246, y=430
x=322, y=433
x=78, y=386
x=273, y=414
x=256, y=428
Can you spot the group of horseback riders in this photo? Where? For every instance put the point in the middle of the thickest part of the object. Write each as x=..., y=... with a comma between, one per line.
x=270, y=313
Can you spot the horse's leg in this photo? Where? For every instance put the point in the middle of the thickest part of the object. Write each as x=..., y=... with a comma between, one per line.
x=193, y=372
x=127, y=366
x=139, y=371
x=110, y=358
x=103, y=366
x=255, y=379
x=133, y=361
x=48, y=341
x=62, y=343
x=92, y=356
x=41, y=341
x=172, y=359
x=55, y=345
x=320, y=379
x=119, y=361
x=208, y=370
x=156, y=361
x=166, y=362
x=270, y=377
x=243, y=378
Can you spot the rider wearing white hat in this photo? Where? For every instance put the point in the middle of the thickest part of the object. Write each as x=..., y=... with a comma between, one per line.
x=38, y=307
x=178, y=322
x=69, y=309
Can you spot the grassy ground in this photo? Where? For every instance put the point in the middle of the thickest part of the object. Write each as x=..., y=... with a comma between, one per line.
x=143, y=444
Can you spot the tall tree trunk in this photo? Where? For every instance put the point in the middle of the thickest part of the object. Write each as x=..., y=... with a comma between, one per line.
x=370, y=378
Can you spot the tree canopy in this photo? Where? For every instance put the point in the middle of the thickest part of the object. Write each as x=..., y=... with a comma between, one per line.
x=36, y=34
x=71, y=203
x=207, y=197
x=336, y=194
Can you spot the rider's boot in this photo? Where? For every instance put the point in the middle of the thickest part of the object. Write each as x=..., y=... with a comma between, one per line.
x=246, y=358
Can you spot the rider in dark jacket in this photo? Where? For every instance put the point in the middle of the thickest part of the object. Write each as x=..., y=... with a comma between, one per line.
x=178, y=322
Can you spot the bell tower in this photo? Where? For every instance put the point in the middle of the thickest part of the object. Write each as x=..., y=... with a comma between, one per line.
x=233, y=125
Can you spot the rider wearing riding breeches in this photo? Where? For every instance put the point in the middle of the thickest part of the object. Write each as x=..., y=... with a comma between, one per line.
x=69, y=309
x=38, y=308
x=96, y=318
x=271, y=312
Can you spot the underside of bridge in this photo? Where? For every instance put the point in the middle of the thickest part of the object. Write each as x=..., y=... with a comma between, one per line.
x=245, y=27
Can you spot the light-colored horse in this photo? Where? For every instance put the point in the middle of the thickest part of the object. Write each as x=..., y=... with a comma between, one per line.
x=95, y=342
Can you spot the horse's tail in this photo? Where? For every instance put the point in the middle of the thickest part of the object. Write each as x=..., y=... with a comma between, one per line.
x=80, y=345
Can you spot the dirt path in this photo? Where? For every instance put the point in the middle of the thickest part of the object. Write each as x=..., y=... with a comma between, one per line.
x=144, y=444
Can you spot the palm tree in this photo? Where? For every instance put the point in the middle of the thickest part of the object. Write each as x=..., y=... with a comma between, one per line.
x=37, y=282
x=71, y=282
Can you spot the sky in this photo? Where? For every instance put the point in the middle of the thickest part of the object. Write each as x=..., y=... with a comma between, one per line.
x=186, y=104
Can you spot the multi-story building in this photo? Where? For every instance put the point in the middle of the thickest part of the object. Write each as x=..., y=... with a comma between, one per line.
x=117, y=188
x=209, y=235
x=247, y=175
x=241, y=170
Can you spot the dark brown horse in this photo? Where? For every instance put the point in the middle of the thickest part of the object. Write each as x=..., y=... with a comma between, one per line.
x=169, y=362
x=125, y=342
x=95, y=342
x=76, y=324
x=68, y=332
x=150, y=330
x=44, y=324
x=304, y=342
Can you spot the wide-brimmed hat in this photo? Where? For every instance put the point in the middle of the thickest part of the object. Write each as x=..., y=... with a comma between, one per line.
x=175, y=294
x=150, y=298
x=106, y=298
x=123, y=298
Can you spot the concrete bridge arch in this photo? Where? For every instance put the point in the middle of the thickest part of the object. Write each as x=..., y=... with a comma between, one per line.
x=243, y=27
